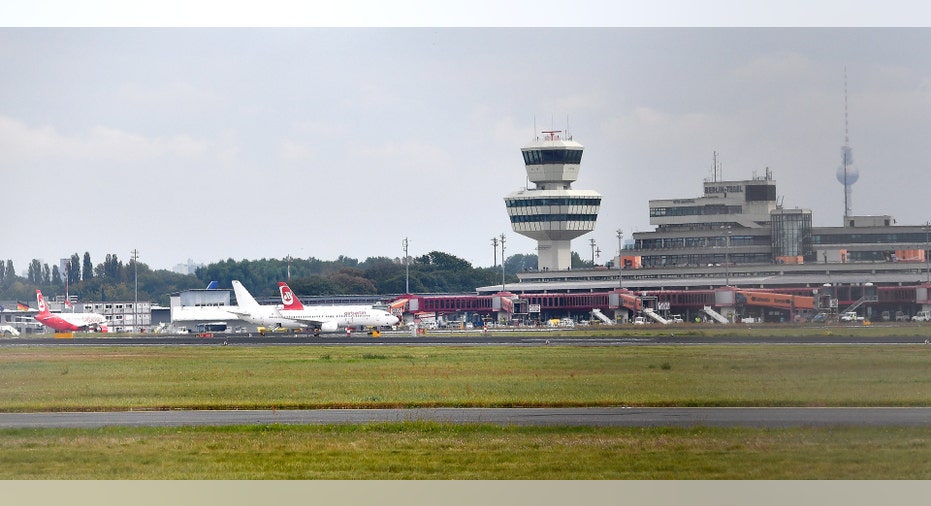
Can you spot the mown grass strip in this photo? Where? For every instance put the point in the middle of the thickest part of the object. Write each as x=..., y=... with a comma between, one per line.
x=426, y=450
x=115, y=378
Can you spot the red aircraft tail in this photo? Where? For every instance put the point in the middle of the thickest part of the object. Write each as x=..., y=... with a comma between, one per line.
x=288, y=298
x=43, y=307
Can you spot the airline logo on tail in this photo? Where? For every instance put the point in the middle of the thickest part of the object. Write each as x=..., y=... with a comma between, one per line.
x=41, y=301
x=288, y=298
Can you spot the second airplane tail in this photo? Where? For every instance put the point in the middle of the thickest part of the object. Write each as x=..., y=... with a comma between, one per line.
x=244, y=299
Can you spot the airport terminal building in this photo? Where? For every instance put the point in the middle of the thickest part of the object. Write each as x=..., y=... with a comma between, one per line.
x=734, y=237
x=731, y=253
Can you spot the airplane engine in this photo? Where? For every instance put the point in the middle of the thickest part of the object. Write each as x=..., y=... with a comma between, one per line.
x=329, y=327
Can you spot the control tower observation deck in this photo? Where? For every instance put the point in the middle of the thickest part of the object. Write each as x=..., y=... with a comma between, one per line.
x=553, y=213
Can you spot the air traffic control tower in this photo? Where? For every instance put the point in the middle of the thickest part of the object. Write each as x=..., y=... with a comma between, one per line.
x=553, y=213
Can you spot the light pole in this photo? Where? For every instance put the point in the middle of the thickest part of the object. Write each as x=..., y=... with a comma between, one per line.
x=502, y=262
x=592, y=242
x=494, y=244
x=135, y=253
x=407, y=269
x=67, y=281
x=927, y=257
x=620, y=249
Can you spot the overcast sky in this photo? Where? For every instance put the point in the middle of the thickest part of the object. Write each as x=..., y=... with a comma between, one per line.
x=216, y=143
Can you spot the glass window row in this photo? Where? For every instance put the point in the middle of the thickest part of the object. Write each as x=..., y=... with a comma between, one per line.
x=538, y=218
x=554, y=201
x=718, y=241
x=861, y=238
x=552, y=156
x=695, y=210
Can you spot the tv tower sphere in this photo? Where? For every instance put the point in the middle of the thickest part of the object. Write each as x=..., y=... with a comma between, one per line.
x=852, y=173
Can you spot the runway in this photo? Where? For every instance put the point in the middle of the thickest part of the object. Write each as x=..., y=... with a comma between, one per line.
x=590, y=417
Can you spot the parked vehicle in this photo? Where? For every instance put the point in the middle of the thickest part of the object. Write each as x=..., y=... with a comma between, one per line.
x=922, y=316
x=851, y=316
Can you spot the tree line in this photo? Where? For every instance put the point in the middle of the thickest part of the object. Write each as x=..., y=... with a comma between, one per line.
x=115, y=280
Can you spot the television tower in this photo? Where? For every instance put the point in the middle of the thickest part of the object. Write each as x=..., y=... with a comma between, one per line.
x=847, y=173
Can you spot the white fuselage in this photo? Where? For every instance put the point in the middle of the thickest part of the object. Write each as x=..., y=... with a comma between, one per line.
x=340, y=316
x=326, y=318
x=268, y=317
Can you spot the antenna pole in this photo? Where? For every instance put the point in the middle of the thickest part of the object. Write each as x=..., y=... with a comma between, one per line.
x=846, y=149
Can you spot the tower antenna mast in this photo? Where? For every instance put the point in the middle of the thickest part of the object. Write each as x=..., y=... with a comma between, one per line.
x=845, y=149
x=847, y=173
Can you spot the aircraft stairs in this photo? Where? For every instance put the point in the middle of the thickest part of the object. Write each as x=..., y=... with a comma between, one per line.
x=718, y=317
x=863, y=300
x=601, y=316
x=652, y=314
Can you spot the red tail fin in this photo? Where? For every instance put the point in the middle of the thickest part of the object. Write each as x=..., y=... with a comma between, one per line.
x=43, y=308
x=287, y=297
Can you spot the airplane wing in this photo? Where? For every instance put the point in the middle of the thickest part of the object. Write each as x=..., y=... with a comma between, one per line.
x=306, y=321
x=325, y=325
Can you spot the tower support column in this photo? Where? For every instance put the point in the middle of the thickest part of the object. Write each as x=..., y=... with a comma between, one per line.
x=554, y=254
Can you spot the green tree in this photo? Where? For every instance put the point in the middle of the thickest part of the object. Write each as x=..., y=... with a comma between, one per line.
x=74, y=269
x=56, y=276
x=87, y=268
x=520, y=263
x=111, y=269
x=444, y=261
x=34, y=272
x=578, y=263
x=313, y=285
x=352, y=281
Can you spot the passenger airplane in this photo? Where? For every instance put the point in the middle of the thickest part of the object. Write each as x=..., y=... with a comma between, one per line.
x=331, y=318
x=68, y=322
x=250, y=310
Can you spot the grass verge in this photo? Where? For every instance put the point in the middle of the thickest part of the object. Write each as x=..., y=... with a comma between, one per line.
x=120, y=378
x=426, y=451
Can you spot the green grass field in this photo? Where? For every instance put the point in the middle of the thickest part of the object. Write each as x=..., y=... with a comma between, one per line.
x=119, y=378
x=230, y=377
